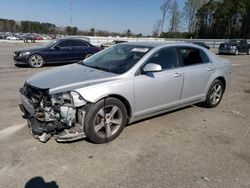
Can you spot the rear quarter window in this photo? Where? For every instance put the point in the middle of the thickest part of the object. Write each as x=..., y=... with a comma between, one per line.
x=192, y=56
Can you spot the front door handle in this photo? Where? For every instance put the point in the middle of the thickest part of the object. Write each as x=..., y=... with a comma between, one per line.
x=177, y=74
x=210, y=68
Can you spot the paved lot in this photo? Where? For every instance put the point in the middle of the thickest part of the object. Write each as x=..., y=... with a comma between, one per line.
x=193, y=147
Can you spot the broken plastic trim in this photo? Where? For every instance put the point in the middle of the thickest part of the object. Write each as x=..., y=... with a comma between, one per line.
x=71, y=98
x=73, y=134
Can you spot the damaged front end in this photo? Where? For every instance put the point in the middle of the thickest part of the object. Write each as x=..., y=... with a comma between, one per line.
x=48, y=115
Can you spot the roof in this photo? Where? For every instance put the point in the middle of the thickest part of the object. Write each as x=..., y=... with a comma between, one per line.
x=160, y=43
x=147, y=43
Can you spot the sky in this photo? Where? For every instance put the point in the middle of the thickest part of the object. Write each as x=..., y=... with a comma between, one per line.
x=112, y=15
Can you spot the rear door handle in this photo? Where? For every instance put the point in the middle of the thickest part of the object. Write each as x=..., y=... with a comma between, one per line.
x=176, y=75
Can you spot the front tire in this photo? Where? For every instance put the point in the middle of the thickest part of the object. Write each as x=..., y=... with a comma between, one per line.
x=36, y=61
x=248, y=51
x=105, y=120
x=215, y=94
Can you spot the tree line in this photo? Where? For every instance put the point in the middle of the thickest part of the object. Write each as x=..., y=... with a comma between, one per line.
x=227, y=19
x=204, y=19
x=197, y=19
x=7, y=25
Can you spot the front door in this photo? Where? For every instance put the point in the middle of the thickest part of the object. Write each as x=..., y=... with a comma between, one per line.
x=159, y=90
x=61, y=52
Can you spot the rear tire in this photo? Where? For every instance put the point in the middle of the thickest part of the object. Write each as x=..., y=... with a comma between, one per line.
x=36, y=61
x=105, y=120
x=214, y=94
x=248, y=51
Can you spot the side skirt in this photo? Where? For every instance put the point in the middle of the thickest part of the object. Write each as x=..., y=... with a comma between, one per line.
x=132, y=120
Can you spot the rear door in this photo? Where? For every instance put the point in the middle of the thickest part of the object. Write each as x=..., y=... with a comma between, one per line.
x=158, y=90
x=80, y=49
x=197, y=69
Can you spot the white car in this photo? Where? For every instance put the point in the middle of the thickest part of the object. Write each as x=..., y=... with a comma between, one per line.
x=12, y=38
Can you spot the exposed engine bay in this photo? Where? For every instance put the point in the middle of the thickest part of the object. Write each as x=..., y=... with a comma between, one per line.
x=59, y=114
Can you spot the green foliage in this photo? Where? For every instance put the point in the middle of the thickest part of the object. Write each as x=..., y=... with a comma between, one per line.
x=227, y=19
x=186, y=35
x=128, y=33
x=37, y=27
x=92, y=32
x=8, y=25
x=71, y=30
x=26, y=26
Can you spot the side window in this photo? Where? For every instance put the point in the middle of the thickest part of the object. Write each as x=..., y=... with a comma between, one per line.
x=204, y=57
x=166, y=57
x=65, y=43
x=78, y=43
x=193, y=56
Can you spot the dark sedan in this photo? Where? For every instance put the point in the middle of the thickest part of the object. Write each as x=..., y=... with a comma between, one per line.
x=58, y=51
x=202, y=44
x=235, y=47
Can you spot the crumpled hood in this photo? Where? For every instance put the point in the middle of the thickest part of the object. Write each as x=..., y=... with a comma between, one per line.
x=69, y=77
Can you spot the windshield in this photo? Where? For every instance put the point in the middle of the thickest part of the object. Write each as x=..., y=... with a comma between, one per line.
x=117, y=59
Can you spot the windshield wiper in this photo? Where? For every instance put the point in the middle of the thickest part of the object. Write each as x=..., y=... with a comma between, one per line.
x=99, y=68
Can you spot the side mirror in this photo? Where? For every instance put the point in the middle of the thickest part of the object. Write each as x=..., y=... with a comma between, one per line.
x=152, y=67
x=57, y=47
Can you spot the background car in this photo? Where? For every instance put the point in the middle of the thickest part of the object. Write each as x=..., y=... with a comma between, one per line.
x=106, y=45
x=202, y=44
x=234, y=47
x=38, y=37
x=12, y=38
x=58, y=51
x=122, y=84
x=3, y=36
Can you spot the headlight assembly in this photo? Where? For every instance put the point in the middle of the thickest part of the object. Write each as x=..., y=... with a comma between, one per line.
x=71, y=98
x=77, y=99
x=24, y=53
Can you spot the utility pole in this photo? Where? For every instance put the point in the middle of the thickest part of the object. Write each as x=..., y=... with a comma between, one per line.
x=71, y=8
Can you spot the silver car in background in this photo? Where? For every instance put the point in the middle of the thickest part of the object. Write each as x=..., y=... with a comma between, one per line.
x=125, y=83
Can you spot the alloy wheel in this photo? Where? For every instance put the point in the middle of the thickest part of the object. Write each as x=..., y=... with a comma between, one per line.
x=216, y=94
x=108, y=121
x=36, y=61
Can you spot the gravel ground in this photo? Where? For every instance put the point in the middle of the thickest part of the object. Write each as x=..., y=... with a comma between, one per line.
x=193, y=147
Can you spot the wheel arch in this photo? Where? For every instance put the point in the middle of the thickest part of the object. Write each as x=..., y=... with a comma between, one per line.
x=123, y=100
x=37, y=53
x=218, y=77
x=223, y=80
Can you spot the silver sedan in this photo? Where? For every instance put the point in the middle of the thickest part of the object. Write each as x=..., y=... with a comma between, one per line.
x=125, y=83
